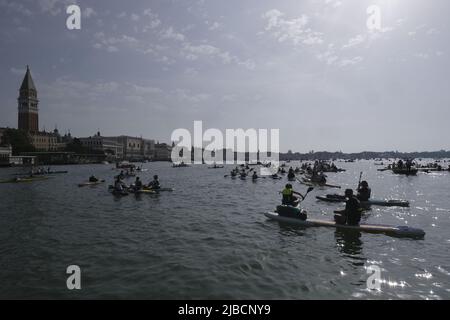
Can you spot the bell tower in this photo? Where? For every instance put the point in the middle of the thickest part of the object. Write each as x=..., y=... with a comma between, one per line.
x=28, y=105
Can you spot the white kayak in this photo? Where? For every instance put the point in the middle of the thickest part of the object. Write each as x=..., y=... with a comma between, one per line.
x=374, y=202
x=401, y=231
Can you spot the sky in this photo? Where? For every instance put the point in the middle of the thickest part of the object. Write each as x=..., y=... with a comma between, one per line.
x=310, y=68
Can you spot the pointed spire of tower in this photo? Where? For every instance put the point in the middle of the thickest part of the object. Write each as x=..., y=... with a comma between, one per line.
x=27, y=83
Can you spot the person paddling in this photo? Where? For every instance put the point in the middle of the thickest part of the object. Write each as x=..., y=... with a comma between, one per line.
x=351, y=215
x=364, y=192
x=288, y=196
x=118, y=185
x=93, y=179
x=255, y=175
x=137, y=184
x=155, y=183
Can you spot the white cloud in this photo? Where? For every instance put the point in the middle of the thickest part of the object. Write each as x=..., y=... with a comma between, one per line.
x=89, y=12
x=214, y=26
x=17, y=71
x=352, y=42
x=16, y=7
x=348, y=62
x=291, y=30
x=170, y=33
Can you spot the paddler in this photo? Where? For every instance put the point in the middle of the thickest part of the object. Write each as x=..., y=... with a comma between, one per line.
x=118, y=185
x=93, y=179
x=288, y=195
x=351, y=215
x=137, y=184
x=364, y=192
x=255, y=175
x=155, y=183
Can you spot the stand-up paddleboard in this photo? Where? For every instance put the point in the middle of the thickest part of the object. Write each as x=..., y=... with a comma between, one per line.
x=401, y=231
x=374, y=202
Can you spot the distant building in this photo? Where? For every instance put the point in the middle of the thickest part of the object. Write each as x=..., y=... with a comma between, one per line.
x=132, y=147
x=5, y=155
x=162, y=152
x=2, y=132
x=110, y=146
x=148, y=149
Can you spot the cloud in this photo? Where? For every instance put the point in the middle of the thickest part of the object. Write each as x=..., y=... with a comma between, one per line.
x=291, y=30
x=352, y=42
x=89, y=12
x=333, y=3
x=16, y=7
x=214, y=26
x=171, y=34
x=348, y=62
x=421, y=55
x=17, y=71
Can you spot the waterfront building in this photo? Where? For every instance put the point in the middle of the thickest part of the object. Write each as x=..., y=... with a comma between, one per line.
x=110, y=146
x=132, y=147
x=163, y=152
x=148, y=149
x=5, y=155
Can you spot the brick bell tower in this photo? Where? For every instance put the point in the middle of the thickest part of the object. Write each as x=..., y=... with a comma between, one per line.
x=28, y=105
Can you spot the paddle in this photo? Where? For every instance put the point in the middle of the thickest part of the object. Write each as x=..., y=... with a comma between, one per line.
x=359, y=182
x=308, y=191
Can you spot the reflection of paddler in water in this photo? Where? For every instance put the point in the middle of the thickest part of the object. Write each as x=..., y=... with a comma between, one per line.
x=349, y=242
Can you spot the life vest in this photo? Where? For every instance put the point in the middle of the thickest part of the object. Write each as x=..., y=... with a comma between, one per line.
x=286, y=192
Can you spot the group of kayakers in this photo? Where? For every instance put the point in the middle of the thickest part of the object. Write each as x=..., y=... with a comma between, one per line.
x=120, y=186
x=407, y=164
x=320, y=166
x=351, y=215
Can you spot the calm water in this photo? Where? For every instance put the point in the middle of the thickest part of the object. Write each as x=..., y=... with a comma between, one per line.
x=209, y=239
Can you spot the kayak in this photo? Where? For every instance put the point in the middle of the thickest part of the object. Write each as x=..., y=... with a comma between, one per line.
x=111, y=187
x=217, y=167
x=382, y=203
x=22, y=180
x=400, y=231
x=412, y=171
x=310, y=183
x=160, y=189
x=41, y=173
x=142, y=191
x=85, y=184
x=119, y=193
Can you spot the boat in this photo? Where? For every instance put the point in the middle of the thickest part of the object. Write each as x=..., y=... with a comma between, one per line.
x=399, y=231
x=310, y=183
x=180, y=165
x=119, y=193
x=124, y=165
x=86, y=184
x=384, y=203
x=24, y=179
x=41, y=173
x=405, y=171
x=111, y=187
x=160, y=189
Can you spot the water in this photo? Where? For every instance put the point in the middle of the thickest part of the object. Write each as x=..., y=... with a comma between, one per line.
x=209, y=239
